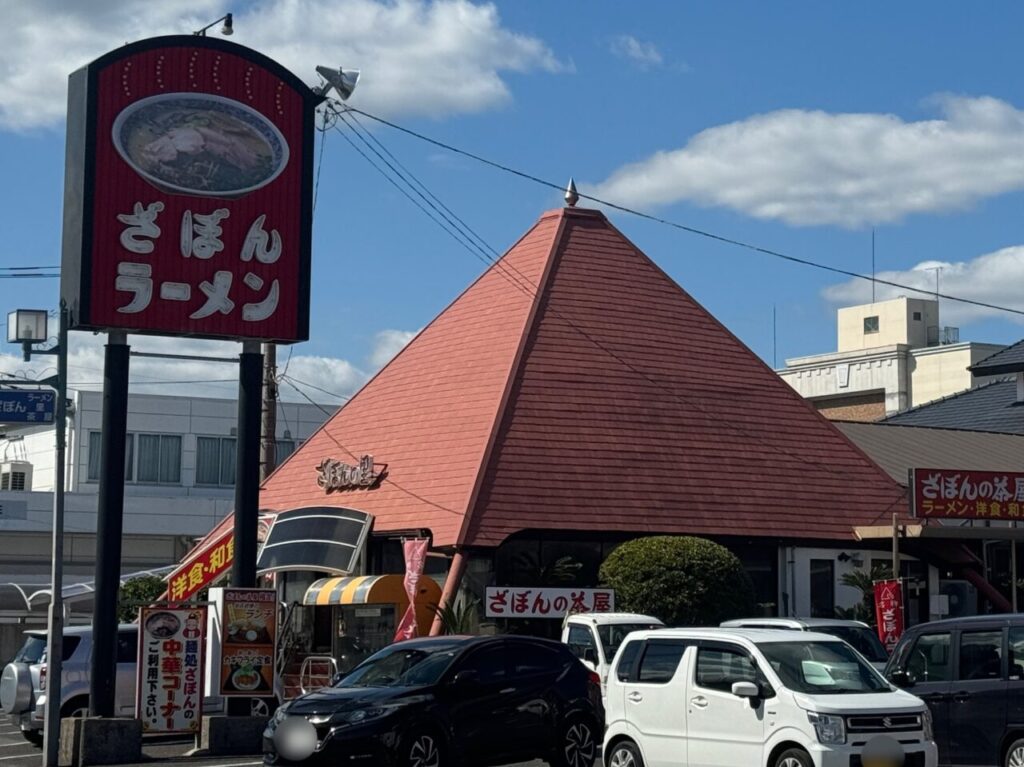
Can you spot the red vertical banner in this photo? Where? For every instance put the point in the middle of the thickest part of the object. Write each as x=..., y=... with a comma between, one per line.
x=415, y=558
x=889, y=612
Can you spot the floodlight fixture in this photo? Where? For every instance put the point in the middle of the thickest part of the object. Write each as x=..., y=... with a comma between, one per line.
x=227, y=29
x=343, y=81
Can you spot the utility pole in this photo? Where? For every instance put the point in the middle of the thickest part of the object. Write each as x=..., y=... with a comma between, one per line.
x=268, y=427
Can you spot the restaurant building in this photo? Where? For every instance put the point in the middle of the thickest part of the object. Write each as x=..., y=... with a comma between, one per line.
x=572, y=398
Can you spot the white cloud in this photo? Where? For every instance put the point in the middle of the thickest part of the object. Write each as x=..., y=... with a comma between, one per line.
x=993, y=278
x=812, y=167
x=642, y=54
x=315, y=375
x=418, y=57
x=387, y=344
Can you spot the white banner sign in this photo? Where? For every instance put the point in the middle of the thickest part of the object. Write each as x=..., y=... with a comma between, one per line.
x=170, y=686
x=540, y=602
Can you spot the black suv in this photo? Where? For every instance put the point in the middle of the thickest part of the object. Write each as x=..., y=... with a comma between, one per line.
x=448, y=701
x=970, y=672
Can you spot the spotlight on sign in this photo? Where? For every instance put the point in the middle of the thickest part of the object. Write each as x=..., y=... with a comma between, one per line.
x=343, y=81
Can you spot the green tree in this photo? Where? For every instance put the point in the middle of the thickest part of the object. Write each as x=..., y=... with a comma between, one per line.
x=684, y=581
x=137, y=593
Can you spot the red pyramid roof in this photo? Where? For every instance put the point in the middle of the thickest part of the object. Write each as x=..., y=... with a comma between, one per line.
x=606, y=399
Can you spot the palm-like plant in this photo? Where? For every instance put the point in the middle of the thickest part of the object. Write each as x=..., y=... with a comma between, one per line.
x=458, y=618
x=864, y=582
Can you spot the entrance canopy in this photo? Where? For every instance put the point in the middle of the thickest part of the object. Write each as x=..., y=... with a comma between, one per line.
x=370, y=590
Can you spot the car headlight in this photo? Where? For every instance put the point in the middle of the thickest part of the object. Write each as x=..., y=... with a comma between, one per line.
x=830, y=729
x=926, y=722
x=356, y=716
x=281, y=714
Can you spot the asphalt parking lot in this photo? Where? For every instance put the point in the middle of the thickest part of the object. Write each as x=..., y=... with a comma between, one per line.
x=15, y=751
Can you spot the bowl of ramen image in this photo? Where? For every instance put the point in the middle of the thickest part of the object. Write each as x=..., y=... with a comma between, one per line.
x=162, y=625
x=198, y=144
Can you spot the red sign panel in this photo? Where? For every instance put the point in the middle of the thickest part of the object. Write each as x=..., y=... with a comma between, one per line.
x=960, y=494
x=195, y=574
x=188, y=200
x=889, y=612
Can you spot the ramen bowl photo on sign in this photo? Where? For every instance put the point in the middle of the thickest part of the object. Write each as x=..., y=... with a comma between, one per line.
x=200, y=144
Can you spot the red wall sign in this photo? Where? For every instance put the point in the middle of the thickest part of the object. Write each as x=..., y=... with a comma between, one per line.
x=960, y=494
x=889, y=612
x=188, y=193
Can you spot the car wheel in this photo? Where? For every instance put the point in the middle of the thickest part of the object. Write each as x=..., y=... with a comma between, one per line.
x=578, y=745
x=624, y=754
x=1015, y=754
x=35, y=737
x=794, y=757
x=422, y=749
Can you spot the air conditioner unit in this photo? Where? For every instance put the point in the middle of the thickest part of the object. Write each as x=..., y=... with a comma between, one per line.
x=16, y=475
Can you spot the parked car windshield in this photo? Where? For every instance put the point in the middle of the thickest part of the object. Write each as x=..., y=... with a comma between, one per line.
x=613, y=635
x=398, y=667
x=822, y=667
x=863, y=640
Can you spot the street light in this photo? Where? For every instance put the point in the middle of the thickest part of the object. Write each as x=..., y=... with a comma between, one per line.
x=29, y=327
x=343, y=81
x=227, y=30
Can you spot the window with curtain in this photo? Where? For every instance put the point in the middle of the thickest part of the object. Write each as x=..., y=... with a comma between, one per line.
x=283, y=448
x=215, y=461
x=159, y=458
x=96, y=450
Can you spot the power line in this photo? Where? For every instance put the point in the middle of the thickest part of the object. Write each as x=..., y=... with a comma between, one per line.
x=684, y=227
x=26, y=268
x=26, y=276
x=354, y=457
x=531, y=292
x=317, y=388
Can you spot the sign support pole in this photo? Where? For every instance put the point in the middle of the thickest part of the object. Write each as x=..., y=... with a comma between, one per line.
x=55, y=627
x=1013, y=568
x=247, y=477
x=109, y=525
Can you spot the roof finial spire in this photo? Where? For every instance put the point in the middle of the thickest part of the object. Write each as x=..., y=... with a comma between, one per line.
x=571, y=195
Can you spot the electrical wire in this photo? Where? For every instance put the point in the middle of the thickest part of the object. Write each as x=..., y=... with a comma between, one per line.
x=531, y=292
x=683, y=227
x=356, y=458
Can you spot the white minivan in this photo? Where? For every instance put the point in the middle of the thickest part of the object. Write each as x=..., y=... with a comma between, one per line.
x=753, y=698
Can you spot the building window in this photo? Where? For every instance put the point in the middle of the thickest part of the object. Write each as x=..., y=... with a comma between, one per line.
x=96, y=450
x=159, y=459
x=871, y=324
x=215, y=461
x=283, y=448
x=823, y=588
x=917, y=316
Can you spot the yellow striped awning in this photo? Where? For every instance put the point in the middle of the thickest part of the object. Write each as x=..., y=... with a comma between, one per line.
x=370, y=590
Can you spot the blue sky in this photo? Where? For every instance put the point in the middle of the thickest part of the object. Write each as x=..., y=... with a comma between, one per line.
x=796, y=126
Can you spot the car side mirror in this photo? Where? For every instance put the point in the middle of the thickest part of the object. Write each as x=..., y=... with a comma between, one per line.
x=465, y=679
x=746, y=690
x=590, y=655
x=901, y=678
x=337, y=678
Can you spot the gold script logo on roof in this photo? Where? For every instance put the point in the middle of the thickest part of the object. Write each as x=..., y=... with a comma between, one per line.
x=335, y=475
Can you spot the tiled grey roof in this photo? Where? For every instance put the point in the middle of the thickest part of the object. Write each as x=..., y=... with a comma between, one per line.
x=897, y=449
x=1008, y=360
x=990, y=407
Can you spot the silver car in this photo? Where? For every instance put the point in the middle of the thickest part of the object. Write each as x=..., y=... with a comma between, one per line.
x=23, y=682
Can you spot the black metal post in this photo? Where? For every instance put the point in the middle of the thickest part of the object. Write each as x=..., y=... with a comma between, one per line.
x=247, y=480
x=247, y=465
x=109, y=525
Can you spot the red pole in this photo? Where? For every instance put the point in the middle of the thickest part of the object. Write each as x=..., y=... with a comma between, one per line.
x=451, y=588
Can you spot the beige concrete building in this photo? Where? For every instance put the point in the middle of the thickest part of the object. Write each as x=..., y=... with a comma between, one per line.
x=892, y=355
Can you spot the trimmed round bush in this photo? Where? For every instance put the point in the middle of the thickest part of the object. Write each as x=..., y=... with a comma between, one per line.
x=681, y=580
